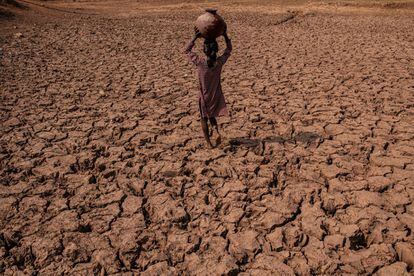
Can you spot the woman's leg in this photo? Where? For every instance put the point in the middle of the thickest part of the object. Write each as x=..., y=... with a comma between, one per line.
x=204, y=126
x=214, y=124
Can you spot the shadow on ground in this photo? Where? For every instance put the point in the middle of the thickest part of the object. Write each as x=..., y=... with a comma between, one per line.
x=302, y=137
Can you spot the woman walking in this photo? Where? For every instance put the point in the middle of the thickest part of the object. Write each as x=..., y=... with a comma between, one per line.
x=211, y=99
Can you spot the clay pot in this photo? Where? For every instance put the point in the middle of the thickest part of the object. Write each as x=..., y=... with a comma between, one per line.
x=210, y=24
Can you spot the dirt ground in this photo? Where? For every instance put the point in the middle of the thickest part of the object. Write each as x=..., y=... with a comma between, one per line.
x=103, y=166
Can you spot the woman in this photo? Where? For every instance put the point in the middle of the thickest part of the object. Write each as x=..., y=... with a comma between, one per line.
x=211, y=100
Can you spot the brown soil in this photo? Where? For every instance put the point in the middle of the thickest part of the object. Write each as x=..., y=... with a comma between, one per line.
x=104, y=168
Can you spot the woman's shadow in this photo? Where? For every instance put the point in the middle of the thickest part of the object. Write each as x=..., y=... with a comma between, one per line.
x=302, y=137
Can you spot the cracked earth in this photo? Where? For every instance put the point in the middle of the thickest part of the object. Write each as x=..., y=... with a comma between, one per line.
x=103, y=167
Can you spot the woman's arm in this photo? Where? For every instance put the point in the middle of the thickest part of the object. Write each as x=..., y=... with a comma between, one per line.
x=188, y=49
x=228, y=42
x=228, y=49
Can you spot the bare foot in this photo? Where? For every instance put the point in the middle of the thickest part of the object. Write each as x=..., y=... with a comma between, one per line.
x=218, y=139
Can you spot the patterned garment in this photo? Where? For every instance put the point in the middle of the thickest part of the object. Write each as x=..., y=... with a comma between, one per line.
x=211, y=98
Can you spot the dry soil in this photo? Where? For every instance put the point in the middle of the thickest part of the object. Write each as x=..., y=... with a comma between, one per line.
x=103, y=167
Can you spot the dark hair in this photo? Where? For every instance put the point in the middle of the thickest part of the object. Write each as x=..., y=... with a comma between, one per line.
x=210, y=45
x=211, y=50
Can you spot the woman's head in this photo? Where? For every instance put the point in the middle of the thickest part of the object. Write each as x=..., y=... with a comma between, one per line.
x=211, y=50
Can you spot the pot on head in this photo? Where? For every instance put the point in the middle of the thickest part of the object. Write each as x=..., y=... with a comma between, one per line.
x=210, y=24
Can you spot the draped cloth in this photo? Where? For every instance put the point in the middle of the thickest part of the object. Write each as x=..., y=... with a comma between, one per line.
x=211, y=98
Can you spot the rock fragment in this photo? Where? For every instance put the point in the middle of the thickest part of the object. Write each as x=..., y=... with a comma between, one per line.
x=405, y=252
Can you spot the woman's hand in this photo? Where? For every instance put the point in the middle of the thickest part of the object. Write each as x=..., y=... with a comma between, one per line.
x=197, y=33
x=225, y=32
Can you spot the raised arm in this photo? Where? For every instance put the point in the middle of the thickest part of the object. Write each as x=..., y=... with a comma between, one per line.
x=191, y=56
x=228, y=49
x=228, y=42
